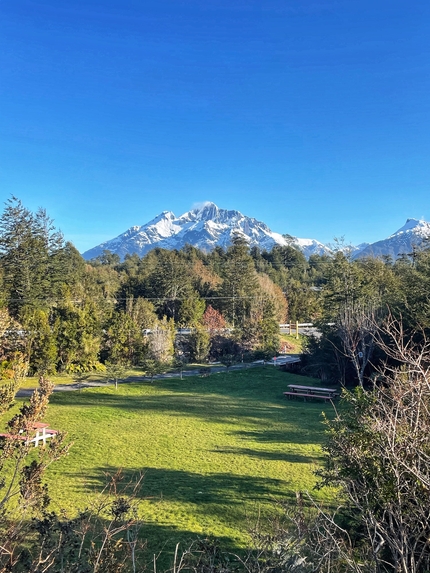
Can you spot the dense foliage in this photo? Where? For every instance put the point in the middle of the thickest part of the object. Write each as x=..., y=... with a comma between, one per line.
x=71, y=315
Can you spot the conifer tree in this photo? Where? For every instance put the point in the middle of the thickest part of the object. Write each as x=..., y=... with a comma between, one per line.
x=28, y=245
x=239, y=282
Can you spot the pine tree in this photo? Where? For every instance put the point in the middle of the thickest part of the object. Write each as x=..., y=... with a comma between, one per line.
x=239, y=282
x=28, y=245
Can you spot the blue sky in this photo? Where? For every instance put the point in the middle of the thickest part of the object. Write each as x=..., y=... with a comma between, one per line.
x=310, y=115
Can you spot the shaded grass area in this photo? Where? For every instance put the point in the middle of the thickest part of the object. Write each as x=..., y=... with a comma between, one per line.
x=216, y=452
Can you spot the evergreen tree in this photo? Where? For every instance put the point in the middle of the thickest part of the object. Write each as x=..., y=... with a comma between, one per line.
x=269, y=330
x=78, y=337
x=191, y=310
x=199, y=344
x=239, y=283
x=41, y=344
x=28, y=245
x=170, y=282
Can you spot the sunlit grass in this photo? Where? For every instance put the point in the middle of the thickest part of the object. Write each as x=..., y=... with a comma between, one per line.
x=216, y=452
x=66, y=379
x=295, y=344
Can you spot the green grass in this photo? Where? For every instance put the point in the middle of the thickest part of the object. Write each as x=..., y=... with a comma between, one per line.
x=215, y=451
x=32, y=381
x=295, y=343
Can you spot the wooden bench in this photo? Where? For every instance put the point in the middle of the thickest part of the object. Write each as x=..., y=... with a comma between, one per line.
x=325, y=397
x=12, y=436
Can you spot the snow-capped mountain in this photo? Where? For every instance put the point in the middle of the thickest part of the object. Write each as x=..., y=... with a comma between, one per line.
x=205, y=228
x=311, y=247
x=403, y=241
x=208, y=226
x=357, y=249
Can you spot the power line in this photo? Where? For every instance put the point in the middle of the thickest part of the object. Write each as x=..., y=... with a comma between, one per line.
x=133, y=298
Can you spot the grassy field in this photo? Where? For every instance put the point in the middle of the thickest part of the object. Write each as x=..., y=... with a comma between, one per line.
x=32, y=381
x=215, y=451
x=295, y=345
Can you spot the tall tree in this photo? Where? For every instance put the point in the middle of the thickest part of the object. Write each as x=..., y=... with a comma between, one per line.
x=78, y=336
x=41, y=345
x=169, y=283
x=239, y=283
x=191, y=310
x=28, y=245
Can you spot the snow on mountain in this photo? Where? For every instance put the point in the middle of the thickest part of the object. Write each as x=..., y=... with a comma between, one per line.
x=311, y=247
x=207, y=226
x=204, y=227
x=411, y=235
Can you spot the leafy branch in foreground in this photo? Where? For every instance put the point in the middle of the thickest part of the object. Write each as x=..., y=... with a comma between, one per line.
x=104, y=538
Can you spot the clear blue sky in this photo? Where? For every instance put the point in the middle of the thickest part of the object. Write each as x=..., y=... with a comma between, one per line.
x=310, y=115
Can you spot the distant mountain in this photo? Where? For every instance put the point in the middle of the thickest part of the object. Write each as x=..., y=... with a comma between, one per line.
x=311, y=247
x=208, y=226
x=411, y=235
x=356, y=249
x=205, y=228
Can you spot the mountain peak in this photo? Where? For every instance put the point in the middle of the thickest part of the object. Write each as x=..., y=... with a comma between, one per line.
x=204, y=211
x=164, y=216
x=205, y=226
x=402, y=242
x=412, y=224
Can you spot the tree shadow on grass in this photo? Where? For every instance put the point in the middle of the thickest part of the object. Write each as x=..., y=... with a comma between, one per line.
x=301, y=424
x=299, y=434
x=261, y=386
x=290, y=457
x=213, y=502
x=182, y=486
x=161, y=541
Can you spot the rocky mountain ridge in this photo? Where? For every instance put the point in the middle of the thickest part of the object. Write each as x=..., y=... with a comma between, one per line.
x=205, y=227
x=208, y=226
x=415, y=233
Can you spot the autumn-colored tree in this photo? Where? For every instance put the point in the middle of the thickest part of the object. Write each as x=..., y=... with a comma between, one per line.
x=213, y=320
x=270, y=291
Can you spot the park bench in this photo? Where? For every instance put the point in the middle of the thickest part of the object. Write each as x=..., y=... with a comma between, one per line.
x=297, y=391
x=38, y=432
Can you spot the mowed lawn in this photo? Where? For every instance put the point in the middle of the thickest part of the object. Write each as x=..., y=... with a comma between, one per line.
x=215, y=451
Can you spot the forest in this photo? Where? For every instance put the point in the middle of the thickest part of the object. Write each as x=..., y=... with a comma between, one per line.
x=67, y=315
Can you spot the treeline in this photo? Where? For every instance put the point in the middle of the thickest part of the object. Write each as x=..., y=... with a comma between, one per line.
x=69, y=315
x=360, y=296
